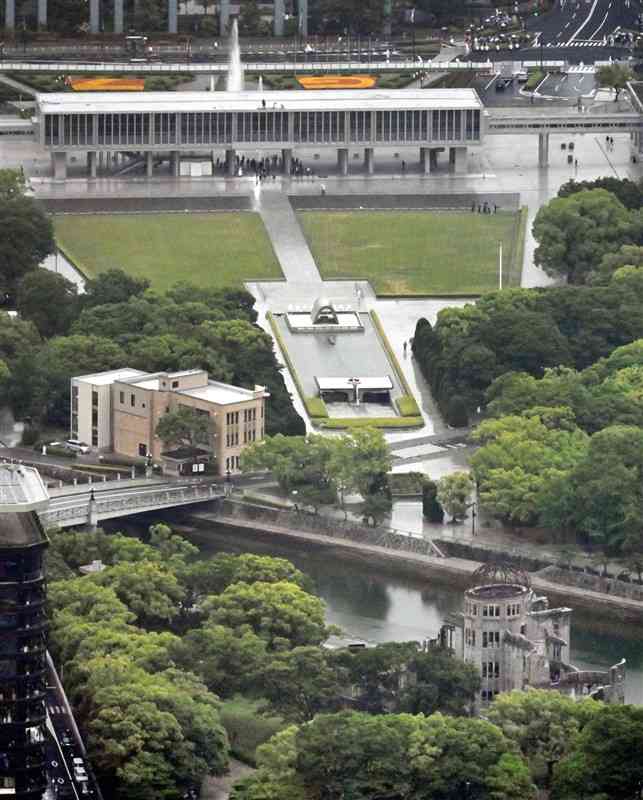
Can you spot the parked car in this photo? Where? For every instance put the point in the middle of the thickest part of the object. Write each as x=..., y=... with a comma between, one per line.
x=76, y=446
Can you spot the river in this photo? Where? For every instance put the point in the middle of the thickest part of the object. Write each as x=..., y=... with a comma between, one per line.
x=377, y=606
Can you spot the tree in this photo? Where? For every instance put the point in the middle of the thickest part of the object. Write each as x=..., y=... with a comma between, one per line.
x=431, y=509
x=27, y=239
x=607, y=487
x=113, y=286
x=276, y=612
x=624, y=189
x=185, y=427
x=606, y=759
x=628, y=255
x=545, y=726
x=12, y=184
x=457, y=412
x=453, y=493
x=443, y=683
x=614, y=76
x=216, y=574
x=451, y=753
x=48, y=300
x=575, y=232
x=227, y=660
x=523, y=465
x=276, y=777
x=299, y=683
x=152, y=593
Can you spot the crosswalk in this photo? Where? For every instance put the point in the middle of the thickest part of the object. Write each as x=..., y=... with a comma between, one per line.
x=53, y=710
x=586, y=69
x=576, y=43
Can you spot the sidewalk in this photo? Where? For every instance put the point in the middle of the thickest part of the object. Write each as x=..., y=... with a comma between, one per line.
x=286, y=235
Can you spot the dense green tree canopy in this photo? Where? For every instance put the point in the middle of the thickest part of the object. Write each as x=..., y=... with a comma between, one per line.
x=27, y=239
x=606, y=761
x=48, y=300
x=575, y=232
x=274, y=611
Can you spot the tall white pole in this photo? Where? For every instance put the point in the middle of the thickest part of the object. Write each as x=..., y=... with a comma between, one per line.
x=500, y=266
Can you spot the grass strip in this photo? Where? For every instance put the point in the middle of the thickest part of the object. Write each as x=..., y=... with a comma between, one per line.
x=337, y=423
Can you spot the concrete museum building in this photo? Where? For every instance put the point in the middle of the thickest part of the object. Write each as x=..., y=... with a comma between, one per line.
x=118, y=411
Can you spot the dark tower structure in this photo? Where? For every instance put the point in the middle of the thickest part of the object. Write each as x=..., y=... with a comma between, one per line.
x=23, y=631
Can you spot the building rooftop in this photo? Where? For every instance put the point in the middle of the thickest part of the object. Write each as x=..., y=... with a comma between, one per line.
x=310, y=100
x=223, y=394
x=105, y=378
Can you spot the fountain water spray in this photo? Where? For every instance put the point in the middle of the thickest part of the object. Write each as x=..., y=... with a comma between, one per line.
x=235, y=81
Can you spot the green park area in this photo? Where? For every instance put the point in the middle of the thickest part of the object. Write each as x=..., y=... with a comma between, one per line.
x=417, y=253
x=209, y=250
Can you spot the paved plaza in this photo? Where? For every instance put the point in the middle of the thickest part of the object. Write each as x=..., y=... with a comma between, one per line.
x=315, y=355
x=508, y=164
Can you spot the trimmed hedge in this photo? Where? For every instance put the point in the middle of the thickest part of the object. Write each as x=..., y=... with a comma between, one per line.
x=372, y=422
x=407, y=406
x=316, y=408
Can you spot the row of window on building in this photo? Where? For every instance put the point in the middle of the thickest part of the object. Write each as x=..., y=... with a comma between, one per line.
x=512, y=610
x=311, y=127
x=490, y=669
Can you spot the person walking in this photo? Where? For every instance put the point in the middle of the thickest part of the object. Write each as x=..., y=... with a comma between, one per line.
x=404, y=346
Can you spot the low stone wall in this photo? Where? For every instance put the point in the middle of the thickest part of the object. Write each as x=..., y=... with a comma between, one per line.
x=594, y=583
x=507, y=201
x=332, y=528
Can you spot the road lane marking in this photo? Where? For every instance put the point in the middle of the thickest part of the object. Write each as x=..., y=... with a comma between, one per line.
x=585, y=21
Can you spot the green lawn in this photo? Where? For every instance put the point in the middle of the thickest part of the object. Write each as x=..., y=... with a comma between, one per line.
x=422, y=252
x=220, y=249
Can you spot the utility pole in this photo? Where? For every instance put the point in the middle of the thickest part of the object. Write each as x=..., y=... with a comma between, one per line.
x=500, y=265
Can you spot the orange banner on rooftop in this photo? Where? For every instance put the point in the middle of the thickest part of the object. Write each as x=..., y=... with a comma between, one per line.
x=337, y=81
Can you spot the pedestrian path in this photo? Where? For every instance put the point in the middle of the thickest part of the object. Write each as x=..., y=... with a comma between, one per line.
x=289, y=243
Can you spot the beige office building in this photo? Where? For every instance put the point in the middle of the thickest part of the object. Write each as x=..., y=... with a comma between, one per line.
x=119, y=411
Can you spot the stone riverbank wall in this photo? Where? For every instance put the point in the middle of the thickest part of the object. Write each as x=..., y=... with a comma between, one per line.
x=404, y=554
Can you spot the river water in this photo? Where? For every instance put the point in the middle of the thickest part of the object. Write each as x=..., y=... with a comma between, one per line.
x=377, y=606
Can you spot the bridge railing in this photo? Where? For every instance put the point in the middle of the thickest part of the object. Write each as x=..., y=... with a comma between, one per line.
x=267, y=66
x=127, y=502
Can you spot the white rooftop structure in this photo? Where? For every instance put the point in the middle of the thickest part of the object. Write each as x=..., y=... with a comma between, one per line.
x=223, y=393
x=346, y=384
x=309, y=100
x=110, y=376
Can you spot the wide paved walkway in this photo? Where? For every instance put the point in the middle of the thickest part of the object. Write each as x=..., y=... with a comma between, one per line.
x=286, y=235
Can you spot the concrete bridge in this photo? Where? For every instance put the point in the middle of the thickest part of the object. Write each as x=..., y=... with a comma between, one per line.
x=528, y=121
x=221, y=67
x=92, y=504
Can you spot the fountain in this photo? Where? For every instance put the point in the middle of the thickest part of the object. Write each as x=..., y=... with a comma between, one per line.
x=235, y=82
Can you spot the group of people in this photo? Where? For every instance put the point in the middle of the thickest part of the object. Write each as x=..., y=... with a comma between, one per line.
x=609, y=143
x=483, y=208
x=264, y=168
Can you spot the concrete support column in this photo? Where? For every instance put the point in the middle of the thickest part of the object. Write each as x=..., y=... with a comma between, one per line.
x=10, y=14
x=42, y=14
x=458, y=160
x=425, y=160
x=224, y=17
x=369, y=160
x=172, y=16
x=230, y=163
x=302, y=20
x=91, y=163
x=543, y=149
x=279, y=18
x=342, y=160
x=286, y=158
x=149, y=163
x=174, y=163
x=94, y=16
x=118, y=16
x=639, y=137
x=59, y=162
